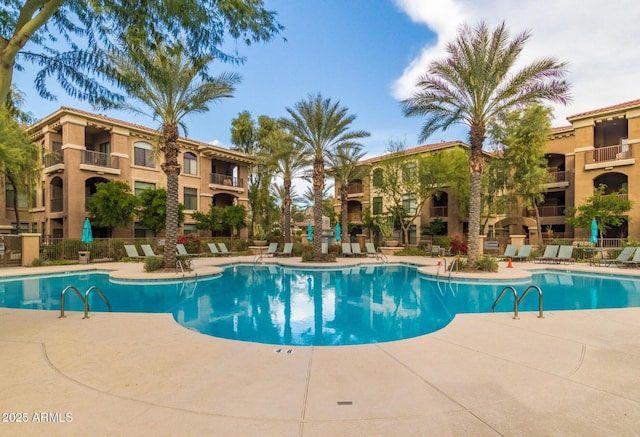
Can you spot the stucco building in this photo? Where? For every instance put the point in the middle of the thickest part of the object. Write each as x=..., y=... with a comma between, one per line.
x=81, y=149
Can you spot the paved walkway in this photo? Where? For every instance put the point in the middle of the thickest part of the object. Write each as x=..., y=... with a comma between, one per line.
x=571, y=373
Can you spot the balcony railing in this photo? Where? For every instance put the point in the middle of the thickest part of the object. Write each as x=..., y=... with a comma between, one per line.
x=558, y=176
x=100, y=159
x=551, y=211
x=354, y=217
x=439, y=211
x=223, y=179
x=57, y=204
x=355, y=188
x=52, y=159
x=610, y=153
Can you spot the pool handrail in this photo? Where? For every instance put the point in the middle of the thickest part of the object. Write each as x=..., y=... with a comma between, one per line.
x=86, y=299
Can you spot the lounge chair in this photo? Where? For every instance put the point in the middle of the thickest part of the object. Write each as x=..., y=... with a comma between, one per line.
x=355, y=249
x=286, y=250
x=132, y=252
x=523, y=254
x=273, y=248
x=550, y=252
x=182, y=251
x=224, y=251
x=325, y=248
x=624, y=256
x=565, y=254
x=346, y=249
x=633, y=262
x=214, y=249
x=371, y=251
x=147, y=250
x=509, y=251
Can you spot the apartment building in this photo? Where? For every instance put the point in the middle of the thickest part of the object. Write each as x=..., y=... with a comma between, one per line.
x=81, y=149
x=598, y=147
x=363, y=195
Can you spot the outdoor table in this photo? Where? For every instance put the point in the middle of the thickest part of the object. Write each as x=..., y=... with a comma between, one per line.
x=595, y=260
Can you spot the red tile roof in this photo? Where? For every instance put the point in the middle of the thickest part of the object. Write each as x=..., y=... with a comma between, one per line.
x=418, y=149
x=606, y=109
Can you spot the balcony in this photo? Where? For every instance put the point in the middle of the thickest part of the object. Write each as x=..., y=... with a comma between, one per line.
x=225, y=180
x=99, y=159
x=354, y=217
x=551, y=211
x=439, y=211
x=355, y=189
x=53, y=162
x=600, y=157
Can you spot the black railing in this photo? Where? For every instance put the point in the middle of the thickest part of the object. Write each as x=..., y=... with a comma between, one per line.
x=223, y=179
x=100, y=159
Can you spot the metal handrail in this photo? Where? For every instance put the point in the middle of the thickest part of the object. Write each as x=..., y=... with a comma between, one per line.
x=515, y=300
x=540, y=316
x=86, y=300
x=69, y=287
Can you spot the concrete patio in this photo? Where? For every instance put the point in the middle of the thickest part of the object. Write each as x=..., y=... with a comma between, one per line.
x=571, y=373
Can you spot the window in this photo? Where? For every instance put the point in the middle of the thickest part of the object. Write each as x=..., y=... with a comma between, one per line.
x=409, y=171
x=23, y=201
x=409, y=203
x=142, y=231
x=142, y=154
x=190, y=198
x=190, y=163
x=139, y=187
x=377, y=205
x=189, y=228
x=377, y=177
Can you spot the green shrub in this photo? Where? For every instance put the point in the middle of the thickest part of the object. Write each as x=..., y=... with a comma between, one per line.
x=153, y=263
x=38, y=262
x=306, y=252
x=442, y=241
x=486, y=264
x=411, y=252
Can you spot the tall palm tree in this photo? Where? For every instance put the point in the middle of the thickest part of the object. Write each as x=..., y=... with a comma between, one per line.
x=345, y=169
x=171, y=85
x=474, y=85
x=321, y=126
x=288, y=159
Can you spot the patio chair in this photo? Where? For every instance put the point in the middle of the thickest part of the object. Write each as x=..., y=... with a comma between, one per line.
x=132, y=252
x=147, y=250
x=273, y=248
x=371, y=251
x=355, y=249
x=550, y=252
x=346, y=249
x=633, y=262
x=182, y=251
x=523, y=254
x=509, y=251
x=286, y=250
x=214, y=249
x=224, y=251
x=435, y=250
x=565, y=254
x=625, y=255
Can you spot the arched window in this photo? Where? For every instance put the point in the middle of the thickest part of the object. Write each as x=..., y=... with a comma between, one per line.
x=142, y=154
x=190, y=163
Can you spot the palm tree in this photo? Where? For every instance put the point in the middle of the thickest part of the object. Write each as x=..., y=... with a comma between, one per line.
x=288, y=159
x=474, y=85
x=321, y=126
x=171, y=85
x=345, y=169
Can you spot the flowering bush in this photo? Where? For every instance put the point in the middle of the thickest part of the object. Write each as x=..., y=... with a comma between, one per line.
x=191, y=243
x=458, y=245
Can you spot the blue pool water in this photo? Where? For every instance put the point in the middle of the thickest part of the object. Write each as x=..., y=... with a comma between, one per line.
x=356, y=305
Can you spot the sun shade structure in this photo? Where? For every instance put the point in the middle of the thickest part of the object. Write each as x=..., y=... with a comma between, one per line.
x=87, y=234
x=594, y=232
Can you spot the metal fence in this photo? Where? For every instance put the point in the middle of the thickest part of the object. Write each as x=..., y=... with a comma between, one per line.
x=10, y=250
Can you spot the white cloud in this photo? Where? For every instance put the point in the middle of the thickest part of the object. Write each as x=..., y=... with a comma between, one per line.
x=599, y=41
x=216, y=143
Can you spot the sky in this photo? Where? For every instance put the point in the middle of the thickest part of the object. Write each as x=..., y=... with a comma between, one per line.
x=368, y=55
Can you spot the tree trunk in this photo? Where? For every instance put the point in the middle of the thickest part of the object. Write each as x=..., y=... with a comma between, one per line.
x=16, y=211
x=171, y=168
x=476, y=162
x=538, y=226
x=318, y=185
x=286, y=206
x=344, y=212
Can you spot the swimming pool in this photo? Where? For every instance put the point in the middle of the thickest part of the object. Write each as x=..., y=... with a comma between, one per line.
x=294, y=306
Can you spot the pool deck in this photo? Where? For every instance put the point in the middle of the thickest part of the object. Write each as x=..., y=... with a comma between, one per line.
x=573, y=373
